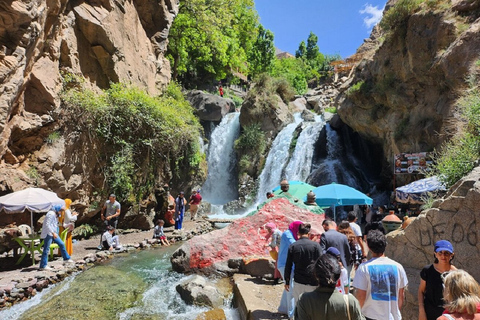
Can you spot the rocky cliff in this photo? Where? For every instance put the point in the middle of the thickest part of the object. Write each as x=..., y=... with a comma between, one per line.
x=404, y=90
x=41, y=43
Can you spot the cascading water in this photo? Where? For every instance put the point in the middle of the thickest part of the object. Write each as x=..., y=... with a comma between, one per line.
x=276, y=159
x=300, y=163
x=221, y=184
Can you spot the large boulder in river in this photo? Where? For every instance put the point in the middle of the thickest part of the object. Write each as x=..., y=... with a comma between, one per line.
x=196, y=291
x=244, y=238
x=209, y=107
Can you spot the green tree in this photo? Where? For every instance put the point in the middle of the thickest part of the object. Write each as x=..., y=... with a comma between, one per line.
x=294, y=71
x=262, y=54
x=312, y=50
x=302, y=49
x=210, y=39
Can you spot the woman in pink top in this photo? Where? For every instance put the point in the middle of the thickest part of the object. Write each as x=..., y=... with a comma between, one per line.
x=462, y=297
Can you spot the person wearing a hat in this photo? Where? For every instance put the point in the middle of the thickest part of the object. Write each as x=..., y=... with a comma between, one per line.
x=180, y=203
x=109, y=214
x=50, y=234
x=343, y=285
x=430, y=291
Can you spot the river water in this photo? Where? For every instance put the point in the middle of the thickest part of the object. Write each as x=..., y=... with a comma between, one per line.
x=139, y=285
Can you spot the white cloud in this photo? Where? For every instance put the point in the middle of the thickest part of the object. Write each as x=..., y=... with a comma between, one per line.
x=374, y=15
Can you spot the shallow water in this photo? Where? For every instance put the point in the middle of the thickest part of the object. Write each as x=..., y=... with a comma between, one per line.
x=137, y=286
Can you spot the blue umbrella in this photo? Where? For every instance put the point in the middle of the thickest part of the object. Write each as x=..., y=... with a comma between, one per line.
x=415, y=192
x=336, y=194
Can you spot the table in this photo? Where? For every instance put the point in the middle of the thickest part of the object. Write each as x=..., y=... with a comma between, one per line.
x=28, y=243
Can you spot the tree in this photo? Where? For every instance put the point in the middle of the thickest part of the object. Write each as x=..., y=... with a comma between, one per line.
x=302, y=49
x=312, y=50
x=262, y=54
x=210, y=39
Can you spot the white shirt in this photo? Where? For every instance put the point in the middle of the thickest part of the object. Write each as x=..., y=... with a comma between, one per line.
x=68, y=218
x=381, y=278
x=356, y=229
x=50, y=225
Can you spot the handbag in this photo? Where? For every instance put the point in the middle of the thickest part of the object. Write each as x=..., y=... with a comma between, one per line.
x=345, y=297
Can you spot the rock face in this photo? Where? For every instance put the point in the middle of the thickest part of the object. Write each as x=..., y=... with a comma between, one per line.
x=408, y=81
x=211, y=252
x=453, y=218
x=102, y=41
x=210, y=107
x=198, y=292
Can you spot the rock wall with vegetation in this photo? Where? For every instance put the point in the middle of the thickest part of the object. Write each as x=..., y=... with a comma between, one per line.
x=404, y=92
x=86, y=107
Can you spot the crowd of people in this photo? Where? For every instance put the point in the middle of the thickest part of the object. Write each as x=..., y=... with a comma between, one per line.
x=331, y=278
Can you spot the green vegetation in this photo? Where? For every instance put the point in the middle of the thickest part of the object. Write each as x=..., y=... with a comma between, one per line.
x=331, y=109
x=84, y=231
x=355, y=88
x=293, y=70
x=263, y=93
x=397, y=16
x=210, y=40
x=457, y=157
x=52, y=137
x=262, y=54
x=139, y=134
x=227, y=93
x=33, y=174
x=250, y=145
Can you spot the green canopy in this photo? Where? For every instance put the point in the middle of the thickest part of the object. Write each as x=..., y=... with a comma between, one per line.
x=297, y=190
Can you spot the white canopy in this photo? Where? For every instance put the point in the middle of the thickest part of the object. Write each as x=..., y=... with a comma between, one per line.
x=32, y=199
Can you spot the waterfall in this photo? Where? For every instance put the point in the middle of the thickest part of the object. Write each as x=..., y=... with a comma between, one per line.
x=276, y=159
x=221, y=185
x=300, y=163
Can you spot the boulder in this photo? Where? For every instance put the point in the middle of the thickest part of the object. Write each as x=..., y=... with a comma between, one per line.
x=298, y=105
x=215, y=314
x=465, y=5
x=314, y=102
x=211, y=252
x=263, y=268
x=209, y=107
x=196, y=291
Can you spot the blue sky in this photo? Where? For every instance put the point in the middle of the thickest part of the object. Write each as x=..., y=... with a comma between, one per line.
x=341, y=25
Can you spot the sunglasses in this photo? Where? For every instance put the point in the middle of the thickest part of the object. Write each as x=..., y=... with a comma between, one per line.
x=444, y=253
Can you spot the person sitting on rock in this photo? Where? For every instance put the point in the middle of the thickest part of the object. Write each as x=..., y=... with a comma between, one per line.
x=159, y=234
x=169, y=215
x=275, y=235
x=109, y=241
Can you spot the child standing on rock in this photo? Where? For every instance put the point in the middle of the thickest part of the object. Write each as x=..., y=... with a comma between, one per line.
x=159, y=234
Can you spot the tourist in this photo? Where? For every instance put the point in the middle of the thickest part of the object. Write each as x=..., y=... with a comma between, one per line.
x=159, y=234
x=343, y=284
x=195, y=200
x=461, y=296
x=69, y=219
x=180, y=204
x=169, y=215
x=284, y=186
x=302, y=253
x=333, y=238
x=49, y=234
x=109, y=214
x=355, y=252
x=352, y=220
x=375, y=224
x=270, y=195
x=430, y=291
x=324, y=302
x=380, y=282
x=287, y=303
x=275, y=235
x=220, y=91
x=109, y=241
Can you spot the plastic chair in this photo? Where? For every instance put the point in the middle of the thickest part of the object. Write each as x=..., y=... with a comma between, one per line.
x=53, y=245
x=25, y=229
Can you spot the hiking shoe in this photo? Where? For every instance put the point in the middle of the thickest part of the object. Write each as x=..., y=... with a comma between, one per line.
x=68, y=261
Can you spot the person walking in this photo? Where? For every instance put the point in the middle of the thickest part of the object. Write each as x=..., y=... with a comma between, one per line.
x=462, y=297
x=302, y=253
x=333, y=238
x=180, y=204
x=430, y=291
x=287, y=303
x=380, y=282
x=50, y=234
x=69, y=219
x=195, y=200
x=325, y=302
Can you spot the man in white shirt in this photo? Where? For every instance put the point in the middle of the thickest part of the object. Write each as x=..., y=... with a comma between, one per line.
x=380, y=282
x=49, y=234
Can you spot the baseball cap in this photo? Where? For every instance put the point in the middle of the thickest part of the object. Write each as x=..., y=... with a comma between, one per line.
x=112, y=195
x=443, y=245
x=333, y=251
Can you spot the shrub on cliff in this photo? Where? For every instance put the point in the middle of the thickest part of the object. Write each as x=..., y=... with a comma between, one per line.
x=139, y=134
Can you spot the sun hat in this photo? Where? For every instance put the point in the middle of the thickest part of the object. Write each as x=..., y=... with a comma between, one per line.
x=443, y=245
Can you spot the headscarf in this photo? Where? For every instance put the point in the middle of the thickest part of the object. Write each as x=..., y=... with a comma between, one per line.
x=68, y=202
x=56, y=207
x=272, y=226
x=293, y=227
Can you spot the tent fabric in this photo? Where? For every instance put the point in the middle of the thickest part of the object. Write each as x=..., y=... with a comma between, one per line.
x=293, y=183
x=336, y=194
x=297, y=189
x=32, y=199
x=415, y=192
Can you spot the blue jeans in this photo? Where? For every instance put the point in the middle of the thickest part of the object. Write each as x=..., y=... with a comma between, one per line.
x=179, y=222
x=46, y=250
